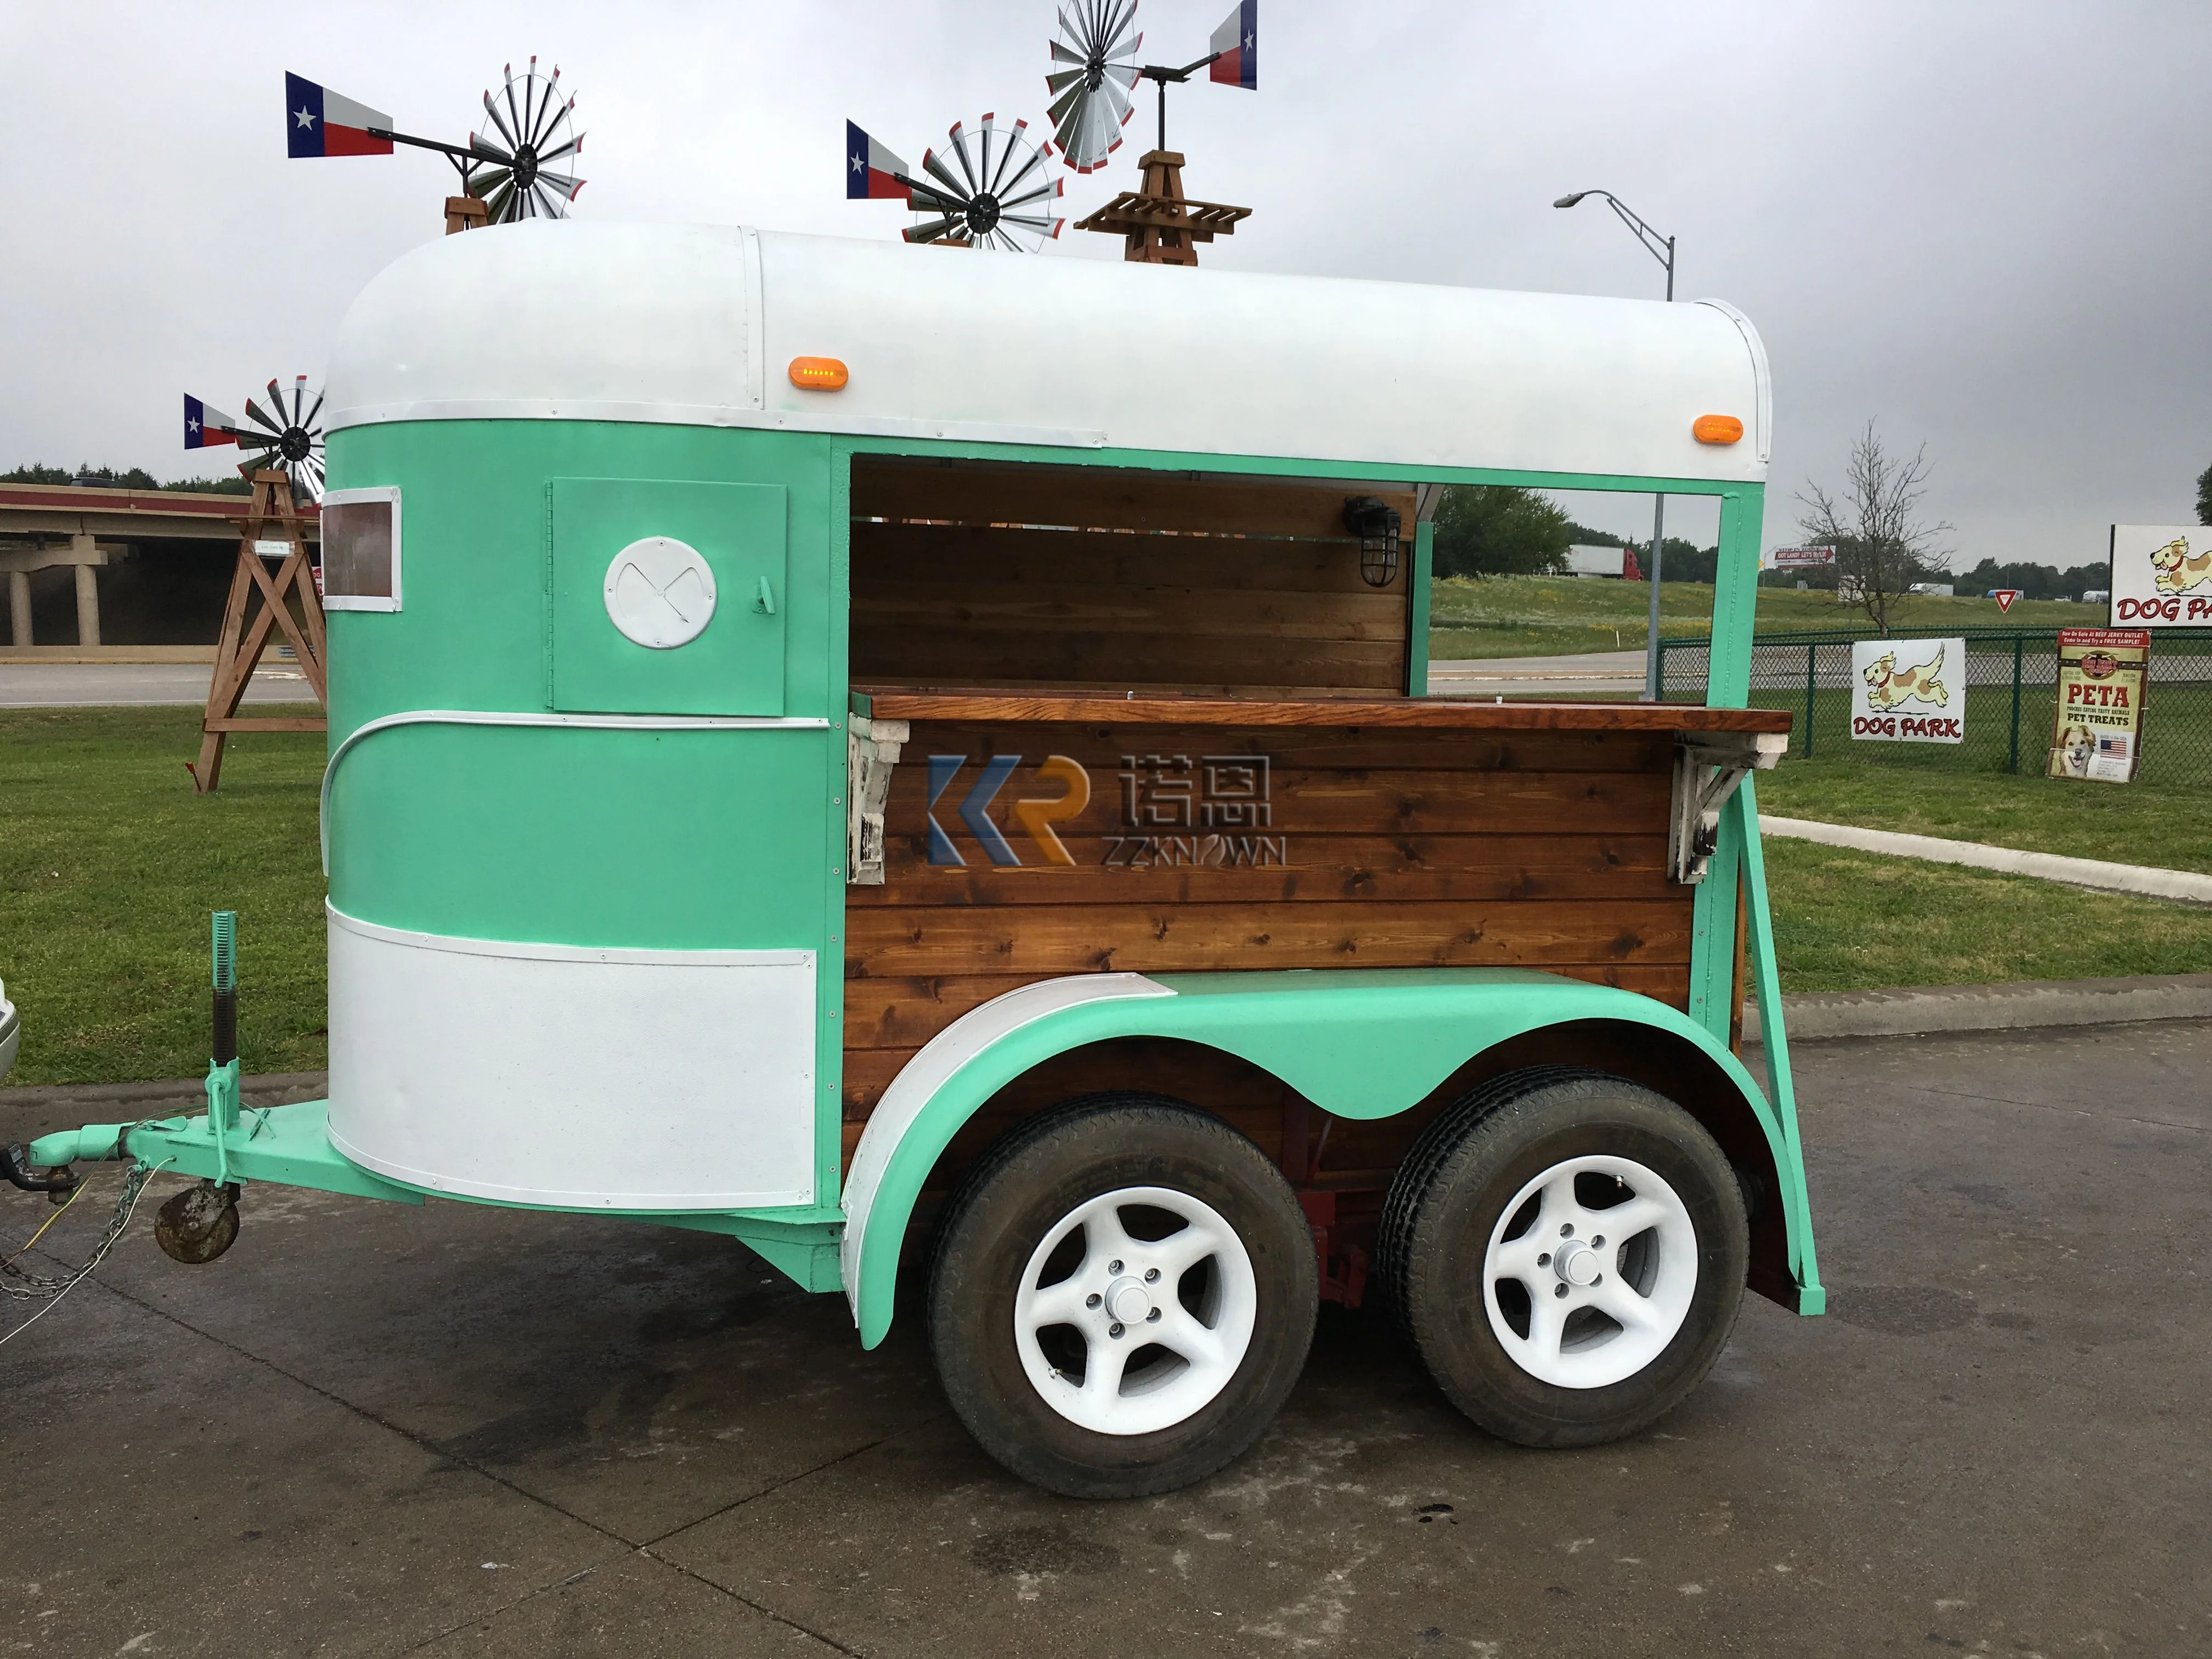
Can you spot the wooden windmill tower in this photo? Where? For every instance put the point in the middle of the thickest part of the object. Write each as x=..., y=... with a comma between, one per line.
x=286, y=470
x=1094, y=99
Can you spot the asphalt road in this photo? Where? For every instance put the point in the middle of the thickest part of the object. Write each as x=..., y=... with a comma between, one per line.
x=96, y=684
x=376, y=1430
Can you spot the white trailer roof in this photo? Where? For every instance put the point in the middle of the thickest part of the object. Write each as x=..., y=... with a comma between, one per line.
x=697, y=324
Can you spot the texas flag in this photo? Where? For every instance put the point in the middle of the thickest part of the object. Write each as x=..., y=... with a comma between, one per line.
x=871, y=172
x=1237, y=40
x=206, y=427
x=318, y=122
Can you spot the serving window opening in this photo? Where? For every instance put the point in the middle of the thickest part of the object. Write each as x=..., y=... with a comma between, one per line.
x=989, y=576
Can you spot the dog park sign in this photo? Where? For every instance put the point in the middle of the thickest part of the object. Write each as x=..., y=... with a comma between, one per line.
x=2161, y=576
x=1909, y=690
x=2097, y=733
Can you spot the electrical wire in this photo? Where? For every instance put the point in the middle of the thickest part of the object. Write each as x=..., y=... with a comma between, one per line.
x=134, y=1188
x=75, y=1194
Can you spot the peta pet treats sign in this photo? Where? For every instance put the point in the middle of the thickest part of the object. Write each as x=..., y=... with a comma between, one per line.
x=2096, y=734
x=2161, y=576
x=1909, y=690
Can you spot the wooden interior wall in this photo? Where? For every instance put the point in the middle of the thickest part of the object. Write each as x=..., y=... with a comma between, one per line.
x=1399, y=849
x=965, y=575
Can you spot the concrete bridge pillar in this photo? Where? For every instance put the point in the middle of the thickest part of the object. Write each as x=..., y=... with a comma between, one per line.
x=87, y=556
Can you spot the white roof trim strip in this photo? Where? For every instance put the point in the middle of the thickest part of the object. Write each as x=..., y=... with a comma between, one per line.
x=551, y=409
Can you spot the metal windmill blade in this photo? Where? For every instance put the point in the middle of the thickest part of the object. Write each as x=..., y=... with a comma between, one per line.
x=530, y=148
x=291, y=441
x=1001, y=195
x=1093, y=97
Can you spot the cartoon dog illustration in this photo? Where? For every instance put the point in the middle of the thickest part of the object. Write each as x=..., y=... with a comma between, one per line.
x=1887, y=687
x=2177, y=568
x=2075, y=747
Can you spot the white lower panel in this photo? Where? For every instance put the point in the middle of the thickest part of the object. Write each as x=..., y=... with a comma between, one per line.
x=558, y=1074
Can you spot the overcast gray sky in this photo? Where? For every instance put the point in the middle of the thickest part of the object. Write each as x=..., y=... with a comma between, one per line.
x=1986, y=226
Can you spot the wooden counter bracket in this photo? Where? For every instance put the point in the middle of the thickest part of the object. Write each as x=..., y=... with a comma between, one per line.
x=1708, y=767
x=872, y=751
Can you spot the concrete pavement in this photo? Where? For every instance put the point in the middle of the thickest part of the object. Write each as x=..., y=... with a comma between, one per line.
x=453, y=1430
x=87, y=685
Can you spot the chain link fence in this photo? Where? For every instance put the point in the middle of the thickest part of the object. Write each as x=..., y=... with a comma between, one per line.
x=2011, y=694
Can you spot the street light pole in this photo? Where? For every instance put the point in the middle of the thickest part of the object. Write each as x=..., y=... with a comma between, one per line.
x=1661, y=248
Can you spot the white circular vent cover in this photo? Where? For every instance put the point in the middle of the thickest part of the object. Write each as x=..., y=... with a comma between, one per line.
x=661, y=593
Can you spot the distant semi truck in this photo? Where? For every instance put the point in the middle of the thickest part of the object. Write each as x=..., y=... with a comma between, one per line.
x=1618, y=562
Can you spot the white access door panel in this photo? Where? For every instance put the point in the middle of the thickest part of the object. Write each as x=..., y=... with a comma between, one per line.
x=553, y=1074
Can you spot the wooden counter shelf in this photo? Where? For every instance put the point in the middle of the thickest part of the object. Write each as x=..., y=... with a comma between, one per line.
x=1440, y=713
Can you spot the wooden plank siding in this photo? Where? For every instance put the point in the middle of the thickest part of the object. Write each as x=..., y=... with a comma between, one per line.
x=968, y=574
x=1397, y=848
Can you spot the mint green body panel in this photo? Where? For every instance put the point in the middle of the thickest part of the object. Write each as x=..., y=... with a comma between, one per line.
x=1359, y=1043
x=707, y=840
x=653, y=839
x=735, y=666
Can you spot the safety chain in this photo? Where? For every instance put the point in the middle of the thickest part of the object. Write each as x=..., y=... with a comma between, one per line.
x=22, y=1285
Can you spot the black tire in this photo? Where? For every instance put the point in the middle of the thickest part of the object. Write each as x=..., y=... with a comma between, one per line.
x=1450, y=1197
x=1017, y=1193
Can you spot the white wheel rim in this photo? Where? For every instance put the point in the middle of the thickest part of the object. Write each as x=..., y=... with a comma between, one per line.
x=1127, y=1301
x=1602, y=1289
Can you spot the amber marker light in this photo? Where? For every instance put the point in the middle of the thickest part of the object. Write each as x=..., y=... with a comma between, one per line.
x=828, y=373
x=1706, y=428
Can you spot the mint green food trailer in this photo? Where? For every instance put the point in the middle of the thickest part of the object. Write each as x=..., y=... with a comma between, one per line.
x=922, y=762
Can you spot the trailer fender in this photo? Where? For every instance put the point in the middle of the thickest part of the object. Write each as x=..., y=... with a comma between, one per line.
x=1366, y=1043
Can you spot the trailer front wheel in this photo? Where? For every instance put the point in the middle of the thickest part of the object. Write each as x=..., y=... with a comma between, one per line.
x=1568, y=1252
x=1122, y=1295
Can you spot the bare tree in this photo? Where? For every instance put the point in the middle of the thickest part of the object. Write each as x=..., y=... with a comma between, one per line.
x=1882, y=544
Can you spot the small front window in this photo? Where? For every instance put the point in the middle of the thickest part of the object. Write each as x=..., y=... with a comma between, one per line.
x=361, y=549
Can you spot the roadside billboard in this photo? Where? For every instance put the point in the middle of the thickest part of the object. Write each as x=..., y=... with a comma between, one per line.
x=1788, y=558
x=2161, y=576
x=2097, y=733
x=1909, y=690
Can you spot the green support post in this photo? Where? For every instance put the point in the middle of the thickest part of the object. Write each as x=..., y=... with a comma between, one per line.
x=1740, y=823
x=223, y=1067
x=1728, y=685
x=1417, y=623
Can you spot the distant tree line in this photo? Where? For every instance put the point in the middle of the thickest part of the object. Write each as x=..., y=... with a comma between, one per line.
x=136, y=478
x=1504, y=530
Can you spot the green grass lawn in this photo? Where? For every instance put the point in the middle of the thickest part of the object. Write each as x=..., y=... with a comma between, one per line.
x=2139, y=823
x=1850, y=922
x=1547, y=616
x=109, y=866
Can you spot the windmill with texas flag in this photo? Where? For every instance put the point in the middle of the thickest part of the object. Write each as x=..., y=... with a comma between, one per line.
x=1000, y=197
x=291, y=443
x=1159, y=224
x=517, y=166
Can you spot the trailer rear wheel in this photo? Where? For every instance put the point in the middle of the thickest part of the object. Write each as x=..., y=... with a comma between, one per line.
x=1123, y=1293
x=1568, y=1252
